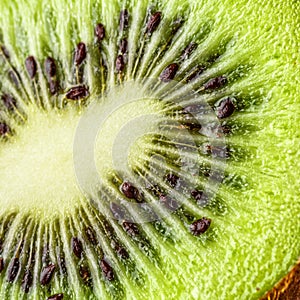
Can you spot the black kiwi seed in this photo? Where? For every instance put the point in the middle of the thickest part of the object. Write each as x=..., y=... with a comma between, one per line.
x=121, y=252
x=172, y=179
x=80, y=53
x=50, y=70
x=200, y=226
x=120, y=65
x=56, y=297
x=129, y=190
x=188, y=50
x=1, y=264
x=50, y=67
x=14, y=77
x=196, y=194
x=131, y=228
x=4, y=129
x=169, y=72
x=47, y=274
x=27, y=281
x=31, y=66
x=124, y=19
x=215, y=83
x=13, y=270
x=106, y=270
x=77, y=246
x=225, y=108
x=153, y=22
x=100, y=32
x=9, y=101
x=77, y=93
x=123, y=46
x=91, y=235
x=53, y=86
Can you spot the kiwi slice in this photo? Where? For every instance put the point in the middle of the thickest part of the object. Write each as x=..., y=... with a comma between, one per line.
x=148, y=149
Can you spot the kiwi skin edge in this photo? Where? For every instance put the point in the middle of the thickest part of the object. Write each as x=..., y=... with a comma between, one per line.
x=287, y=288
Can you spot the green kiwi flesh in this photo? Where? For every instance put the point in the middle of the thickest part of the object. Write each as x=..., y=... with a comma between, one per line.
x=107, y=107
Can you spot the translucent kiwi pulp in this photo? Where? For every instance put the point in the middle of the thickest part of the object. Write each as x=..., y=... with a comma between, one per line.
x=148, y=150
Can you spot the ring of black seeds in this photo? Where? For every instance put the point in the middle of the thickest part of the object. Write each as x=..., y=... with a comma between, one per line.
x=80, y=90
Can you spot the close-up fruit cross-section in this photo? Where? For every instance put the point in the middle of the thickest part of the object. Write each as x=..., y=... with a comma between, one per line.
x=149, y=149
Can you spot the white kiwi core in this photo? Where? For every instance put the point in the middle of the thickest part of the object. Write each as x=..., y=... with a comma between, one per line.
x=37, y=163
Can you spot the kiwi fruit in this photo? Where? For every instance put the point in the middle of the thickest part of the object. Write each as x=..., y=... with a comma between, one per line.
x=149, y=150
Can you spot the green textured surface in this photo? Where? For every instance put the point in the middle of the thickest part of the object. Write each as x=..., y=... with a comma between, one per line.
x=256, y=241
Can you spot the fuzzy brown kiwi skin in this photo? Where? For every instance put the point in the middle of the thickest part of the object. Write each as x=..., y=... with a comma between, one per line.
x=288, y=288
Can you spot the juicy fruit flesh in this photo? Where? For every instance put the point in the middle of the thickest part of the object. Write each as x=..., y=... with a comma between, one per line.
x=254, y=243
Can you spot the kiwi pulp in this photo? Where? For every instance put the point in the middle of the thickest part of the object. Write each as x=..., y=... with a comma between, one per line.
x=148, y=150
